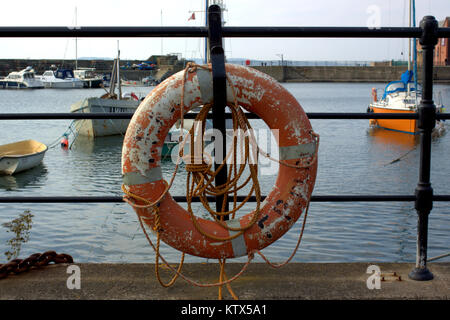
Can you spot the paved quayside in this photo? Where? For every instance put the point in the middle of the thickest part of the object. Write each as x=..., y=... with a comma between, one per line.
x=294, y=281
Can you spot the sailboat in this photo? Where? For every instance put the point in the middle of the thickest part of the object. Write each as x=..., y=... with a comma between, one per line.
x=402, y=96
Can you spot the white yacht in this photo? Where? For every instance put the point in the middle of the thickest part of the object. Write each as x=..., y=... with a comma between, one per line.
x=60, y=79
x=21, y=79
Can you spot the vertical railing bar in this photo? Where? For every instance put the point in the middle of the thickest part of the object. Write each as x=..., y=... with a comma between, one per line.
x=426, y=123
x=220, y=97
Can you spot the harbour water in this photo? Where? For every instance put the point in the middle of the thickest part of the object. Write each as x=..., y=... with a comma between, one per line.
x=353, y=159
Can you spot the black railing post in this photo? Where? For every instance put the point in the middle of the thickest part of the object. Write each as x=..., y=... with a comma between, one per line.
x=220, y=95
x=426, y=123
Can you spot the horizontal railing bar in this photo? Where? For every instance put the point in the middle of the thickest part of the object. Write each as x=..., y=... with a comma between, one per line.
x=329, y=32
x=232, y=32
x=318, y=198
x=311, y=115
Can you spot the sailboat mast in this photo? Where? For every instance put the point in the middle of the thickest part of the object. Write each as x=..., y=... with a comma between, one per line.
x=206, y=39
x=414, y=49
x=409, y=40
x=76, y=41
x=119, y=96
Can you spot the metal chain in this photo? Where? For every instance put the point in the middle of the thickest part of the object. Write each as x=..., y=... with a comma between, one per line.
x=35, y=260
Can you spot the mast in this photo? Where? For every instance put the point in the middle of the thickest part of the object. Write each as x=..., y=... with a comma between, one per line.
x=409, y=42
x=415, y=50
x=162, y=39
x=206, y=60
x=119, y=96
x=76, y=41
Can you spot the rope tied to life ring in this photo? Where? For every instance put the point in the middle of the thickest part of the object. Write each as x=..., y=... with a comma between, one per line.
x=200, y=183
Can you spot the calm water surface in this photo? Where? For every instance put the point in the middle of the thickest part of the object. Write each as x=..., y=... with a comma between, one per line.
x=353, y=159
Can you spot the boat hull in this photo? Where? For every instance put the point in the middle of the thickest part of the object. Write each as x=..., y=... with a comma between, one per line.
x=402, y=125
x=20, y=156
x=8, y=84
x=92, y=83
x=103, y=127
x=63, y=84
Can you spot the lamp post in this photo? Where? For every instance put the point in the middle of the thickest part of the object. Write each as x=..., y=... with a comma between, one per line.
x=283, y=72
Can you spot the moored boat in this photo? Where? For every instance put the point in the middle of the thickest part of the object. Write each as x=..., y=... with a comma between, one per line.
x=89, y=78
x=21, y=79
x=20, y=156
x=403, y=96
x=60, y=79
x=398, y=97
x=110, y=102
x=103, y=127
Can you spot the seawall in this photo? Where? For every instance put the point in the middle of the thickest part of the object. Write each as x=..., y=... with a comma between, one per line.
x=441, y=74
x=346, y=73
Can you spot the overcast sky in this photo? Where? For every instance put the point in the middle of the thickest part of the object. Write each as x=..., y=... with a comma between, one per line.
x=239, y=13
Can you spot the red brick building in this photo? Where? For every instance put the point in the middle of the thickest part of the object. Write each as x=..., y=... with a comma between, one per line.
x=442, y=50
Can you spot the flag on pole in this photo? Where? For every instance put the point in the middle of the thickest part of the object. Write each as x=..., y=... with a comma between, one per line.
x=192, y=17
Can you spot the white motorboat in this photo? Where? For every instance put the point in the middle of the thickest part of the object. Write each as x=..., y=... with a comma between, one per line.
x=21, y=156
x=89, y=78
x=21, y=79
x=60, y=79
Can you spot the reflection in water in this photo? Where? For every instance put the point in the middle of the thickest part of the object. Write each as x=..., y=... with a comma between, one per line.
x=20, y=227
x=388, y=137
x=29, y=178
x=90, y=145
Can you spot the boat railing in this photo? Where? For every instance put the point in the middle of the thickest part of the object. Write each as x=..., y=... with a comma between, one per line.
x=428, y=34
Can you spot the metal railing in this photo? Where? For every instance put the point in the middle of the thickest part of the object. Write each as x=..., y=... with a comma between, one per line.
x=428, y=33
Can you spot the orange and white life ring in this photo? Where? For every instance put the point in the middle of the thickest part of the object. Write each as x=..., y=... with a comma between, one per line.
x=257, y=93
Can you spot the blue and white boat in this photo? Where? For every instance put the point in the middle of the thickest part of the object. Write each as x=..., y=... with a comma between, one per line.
x=60, y=79
x=21, y=79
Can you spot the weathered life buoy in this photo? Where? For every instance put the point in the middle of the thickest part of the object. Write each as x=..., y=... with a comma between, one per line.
x=257, y=93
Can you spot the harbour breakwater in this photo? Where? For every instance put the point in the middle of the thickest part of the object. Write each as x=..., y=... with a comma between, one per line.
x=347, y=73
x=441, y=74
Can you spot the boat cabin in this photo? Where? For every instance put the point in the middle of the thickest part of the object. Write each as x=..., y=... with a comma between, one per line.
x=87, y=73
x=403, y=85
x=25, y=74
x=63, y=73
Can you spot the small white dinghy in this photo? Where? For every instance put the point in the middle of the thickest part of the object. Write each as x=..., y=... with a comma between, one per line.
x=19, y=156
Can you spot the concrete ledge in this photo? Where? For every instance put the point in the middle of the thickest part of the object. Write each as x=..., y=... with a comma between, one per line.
x=294, y=281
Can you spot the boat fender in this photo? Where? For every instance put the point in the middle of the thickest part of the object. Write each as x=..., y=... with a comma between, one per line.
x=374, y=94
x=65, y=141
x=134, y=96
x=142, y=174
